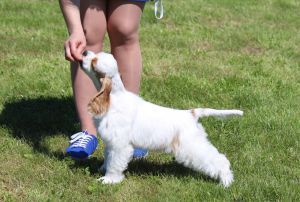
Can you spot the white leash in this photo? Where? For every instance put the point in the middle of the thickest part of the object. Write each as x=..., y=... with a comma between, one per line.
x=158, y=4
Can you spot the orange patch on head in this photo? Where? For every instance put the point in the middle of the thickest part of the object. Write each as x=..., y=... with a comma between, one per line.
x=99, y=104
x=98, y=73
x=94, y=62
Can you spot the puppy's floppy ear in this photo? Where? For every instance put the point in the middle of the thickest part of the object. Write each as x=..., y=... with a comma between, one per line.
x=99, y=104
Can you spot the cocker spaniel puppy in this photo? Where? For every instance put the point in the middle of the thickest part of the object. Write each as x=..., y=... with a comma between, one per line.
x=126, y=121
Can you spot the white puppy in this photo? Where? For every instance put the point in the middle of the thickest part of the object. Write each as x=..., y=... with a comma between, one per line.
x=126, y=121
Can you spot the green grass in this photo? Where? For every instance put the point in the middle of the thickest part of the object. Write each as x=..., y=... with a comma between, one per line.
x=213, y=53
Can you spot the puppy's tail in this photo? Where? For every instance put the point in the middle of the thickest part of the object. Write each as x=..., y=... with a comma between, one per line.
x=205, y=112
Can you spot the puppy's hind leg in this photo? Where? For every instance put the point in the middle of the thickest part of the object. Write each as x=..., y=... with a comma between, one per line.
x=116, y=162
x=200, y=155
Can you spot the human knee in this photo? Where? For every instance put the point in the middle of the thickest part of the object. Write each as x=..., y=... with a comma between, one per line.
x=93, y=22
x=94, y=32
x=94, y=37
x=123, y=33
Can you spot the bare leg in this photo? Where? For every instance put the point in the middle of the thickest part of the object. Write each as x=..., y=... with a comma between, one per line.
x=94, y=25
x=123, y=20
x=122, y=26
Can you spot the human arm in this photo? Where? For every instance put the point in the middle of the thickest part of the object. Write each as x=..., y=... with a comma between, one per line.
x=76, y=42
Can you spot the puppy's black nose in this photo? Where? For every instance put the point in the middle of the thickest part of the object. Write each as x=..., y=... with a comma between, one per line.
x=85, y=53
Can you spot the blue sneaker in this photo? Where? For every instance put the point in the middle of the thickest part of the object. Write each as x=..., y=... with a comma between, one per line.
x=82, y=145
x=140, y=153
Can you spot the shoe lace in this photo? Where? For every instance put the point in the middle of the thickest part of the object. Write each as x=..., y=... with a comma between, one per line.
x=80, y=139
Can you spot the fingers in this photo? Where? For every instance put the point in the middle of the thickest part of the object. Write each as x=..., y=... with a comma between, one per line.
x=73, y=50
x=80, y=50
x=68, y=54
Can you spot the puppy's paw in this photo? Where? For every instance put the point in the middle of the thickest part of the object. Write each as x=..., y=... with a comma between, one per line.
x=111, y=179
x=226, y=178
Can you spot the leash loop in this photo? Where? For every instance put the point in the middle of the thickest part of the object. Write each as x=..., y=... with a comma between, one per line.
x=158, y=4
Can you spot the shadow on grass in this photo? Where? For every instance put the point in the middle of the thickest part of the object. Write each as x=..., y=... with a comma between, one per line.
x=170, y=168
x=35, y=119
x=143, y=167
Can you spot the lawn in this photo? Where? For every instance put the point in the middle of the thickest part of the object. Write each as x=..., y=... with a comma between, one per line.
x=210, y=53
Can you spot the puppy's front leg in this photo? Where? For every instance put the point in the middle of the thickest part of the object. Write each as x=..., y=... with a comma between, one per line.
x=103, y=166
x=116, y=162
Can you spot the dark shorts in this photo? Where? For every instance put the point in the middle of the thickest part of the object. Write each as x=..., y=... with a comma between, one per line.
x=139, y=0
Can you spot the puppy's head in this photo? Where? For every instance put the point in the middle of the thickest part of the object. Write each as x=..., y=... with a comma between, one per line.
x=102, y=64
x=100, y=67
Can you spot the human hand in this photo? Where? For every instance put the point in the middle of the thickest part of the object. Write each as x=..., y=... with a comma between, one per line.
x=74, y=46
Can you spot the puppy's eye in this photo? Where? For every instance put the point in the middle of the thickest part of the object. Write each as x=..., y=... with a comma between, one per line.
x=85, y=53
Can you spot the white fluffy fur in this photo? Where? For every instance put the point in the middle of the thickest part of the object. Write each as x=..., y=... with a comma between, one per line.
x=133, y=122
